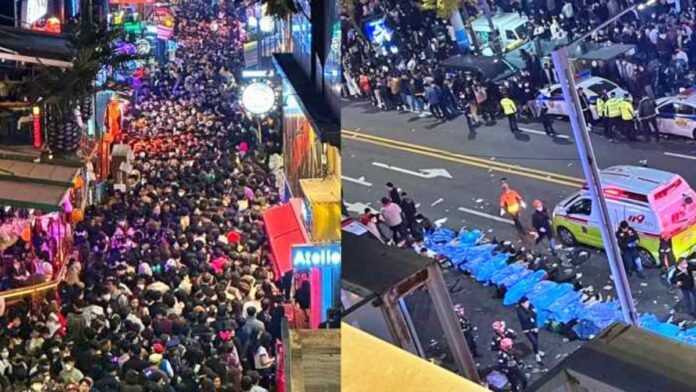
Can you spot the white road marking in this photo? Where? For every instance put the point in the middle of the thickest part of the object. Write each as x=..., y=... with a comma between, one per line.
x=534, y=131
x=358, y=207
x=436, y=202
x=485, y=215
x=672, y=154
x=359, y=181
x=440, y=222
x=423, y=173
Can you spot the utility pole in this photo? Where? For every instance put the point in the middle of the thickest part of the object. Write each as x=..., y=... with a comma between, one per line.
x=469, y=29
x=494, y=39
x=591, y=171
x=589, y=163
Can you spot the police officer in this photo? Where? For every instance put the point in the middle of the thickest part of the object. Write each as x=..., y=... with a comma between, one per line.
x=626, y=109
x=500, y=332
x=510, y=111
x=600, y=104
x=612, y=112
x=526, y=315
x=510, y=366
x=467, y=329
x=545, y=118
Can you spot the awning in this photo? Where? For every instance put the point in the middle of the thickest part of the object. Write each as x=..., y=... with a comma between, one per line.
x=40, y=173
x=392, y=369
x=284, y=228
x=41, y=186
x=35, y=48
x=47, y=198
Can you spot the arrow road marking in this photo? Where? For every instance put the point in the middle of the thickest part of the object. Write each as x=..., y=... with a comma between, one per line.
x=485, y=215
x=672, y=154
x=423, y=173
x=357, y=207
x=440, y=222
x=359, y=181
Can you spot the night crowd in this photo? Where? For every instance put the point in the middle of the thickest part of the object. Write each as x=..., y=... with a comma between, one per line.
x=169, y=286
x=405, y=74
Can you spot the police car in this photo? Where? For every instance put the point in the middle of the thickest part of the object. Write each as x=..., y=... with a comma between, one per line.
x=593, y=86
x=677, y=115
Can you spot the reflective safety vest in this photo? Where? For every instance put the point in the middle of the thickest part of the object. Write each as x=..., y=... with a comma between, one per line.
x=626, y=110
x=612, y=108
x=508, y=106
x=510, y=201
x=600, y=106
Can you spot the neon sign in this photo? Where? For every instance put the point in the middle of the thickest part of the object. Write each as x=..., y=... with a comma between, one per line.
x=316, y=256
x=35, y=10
x=36, y=116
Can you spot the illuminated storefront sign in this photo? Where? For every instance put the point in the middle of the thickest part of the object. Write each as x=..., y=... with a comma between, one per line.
x=323, y=262
x=258, y=98
x=35, y=10
x=36, y=117
x=316, y=256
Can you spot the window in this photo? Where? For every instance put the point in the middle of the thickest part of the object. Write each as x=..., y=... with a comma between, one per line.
x=668, y=108
x=510, y=35
x=601, y=86
x=684, y=109
x=556, y=93
x=581, y=207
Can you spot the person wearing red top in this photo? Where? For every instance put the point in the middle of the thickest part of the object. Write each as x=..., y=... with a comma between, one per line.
x=233, y=237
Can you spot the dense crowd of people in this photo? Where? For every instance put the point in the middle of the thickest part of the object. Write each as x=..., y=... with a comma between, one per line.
x=405, y=73
x=169, y=287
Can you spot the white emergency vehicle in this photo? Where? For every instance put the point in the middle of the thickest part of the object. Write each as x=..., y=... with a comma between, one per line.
x=655, y=203
x=677, y=115
x=593, y=86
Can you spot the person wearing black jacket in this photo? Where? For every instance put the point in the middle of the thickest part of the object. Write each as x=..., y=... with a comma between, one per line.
x=408, y=207
x=684, y=280
x=526, y=314
x=393, y=193
x=585, y=105
x=628, y=241
x=541, y=221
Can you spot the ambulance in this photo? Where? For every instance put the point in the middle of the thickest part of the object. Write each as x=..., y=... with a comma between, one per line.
x=653, y=202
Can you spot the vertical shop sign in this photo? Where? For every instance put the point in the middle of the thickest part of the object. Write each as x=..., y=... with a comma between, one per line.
x=36, y=114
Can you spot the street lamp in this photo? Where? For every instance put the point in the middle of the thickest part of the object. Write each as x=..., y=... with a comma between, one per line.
x=590, y=169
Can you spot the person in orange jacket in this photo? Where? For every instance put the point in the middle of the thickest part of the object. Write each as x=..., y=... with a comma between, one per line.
x=511, y=203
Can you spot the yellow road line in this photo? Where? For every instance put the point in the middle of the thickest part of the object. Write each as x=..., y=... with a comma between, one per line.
x=542, y=175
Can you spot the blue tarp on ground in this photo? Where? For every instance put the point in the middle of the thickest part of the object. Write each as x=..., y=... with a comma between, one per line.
x=553, y=301
x=522, y=287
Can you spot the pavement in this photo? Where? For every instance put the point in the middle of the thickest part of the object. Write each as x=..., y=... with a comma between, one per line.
x=454, y=177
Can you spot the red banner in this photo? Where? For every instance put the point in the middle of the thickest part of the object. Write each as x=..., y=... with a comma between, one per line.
x=37, y=129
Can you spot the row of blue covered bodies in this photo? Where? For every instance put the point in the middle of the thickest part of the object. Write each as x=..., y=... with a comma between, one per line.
x=554, y=302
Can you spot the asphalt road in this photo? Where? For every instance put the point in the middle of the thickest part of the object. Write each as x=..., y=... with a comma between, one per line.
x=454, y=176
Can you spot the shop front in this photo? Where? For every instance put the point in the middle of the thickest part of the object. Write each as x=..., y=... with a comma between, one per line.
x=36, y=211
